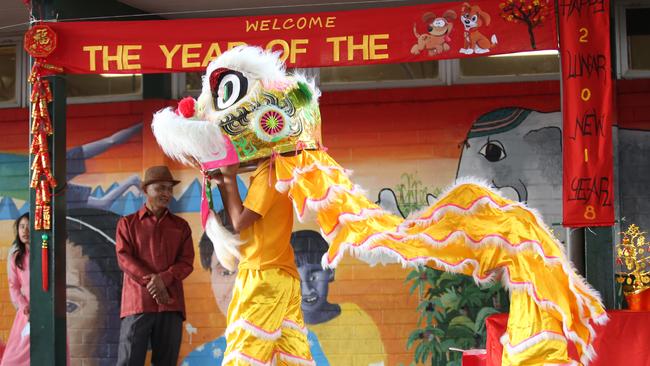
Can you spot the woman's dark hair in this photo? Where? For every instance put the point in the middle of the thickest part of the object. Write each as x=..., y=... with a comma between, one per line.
x=19, y=245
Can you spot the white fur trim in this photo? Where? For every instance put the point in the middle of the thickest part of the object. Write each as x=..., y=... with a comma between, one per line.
x=348, y=217
x=182, y=138
x=256, y=64
x=292, y=325
x=295, y=360
x=253, y=329
x=588, y=351
x=224, y=242
x=253, y=62
x=530, y=342
x=291, y=359
x=236, y=355
x=283, y=186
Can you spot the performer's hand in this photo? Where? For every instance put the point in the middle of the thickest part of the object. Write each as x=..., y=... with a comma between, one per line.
x=230, y=170
x=217, y=176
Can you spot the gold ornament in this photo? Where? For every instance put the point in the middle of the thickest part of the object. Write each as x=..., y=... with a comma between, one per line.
x=633, y=255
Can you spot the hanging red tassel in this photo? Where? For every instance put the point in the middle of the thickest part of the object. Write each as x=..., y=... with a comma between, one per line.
x=45, y=260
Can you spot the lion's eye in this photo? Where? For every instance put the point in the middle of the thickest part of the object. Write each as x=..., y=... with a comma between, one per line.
x=230, y=87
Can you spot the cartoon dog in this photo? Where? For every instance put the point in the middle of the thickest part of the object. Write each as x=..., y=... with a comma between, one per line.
x=437, y=38
x=473, y=18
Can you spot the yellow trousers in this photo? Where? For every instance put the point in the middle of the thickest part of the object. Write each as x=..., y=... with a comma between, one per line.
x=265, y=322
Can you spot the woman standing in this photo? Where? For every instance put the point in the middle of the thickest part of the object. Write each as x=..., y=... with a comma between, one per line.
x=17, y=348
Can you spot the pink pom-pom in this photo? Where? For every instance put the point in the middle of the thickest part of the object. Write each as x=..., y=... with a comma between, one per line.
x=186, y=107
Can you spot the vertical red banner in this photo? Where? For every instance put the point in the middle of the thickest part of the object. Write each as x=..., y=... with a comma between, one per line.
x=588, y=178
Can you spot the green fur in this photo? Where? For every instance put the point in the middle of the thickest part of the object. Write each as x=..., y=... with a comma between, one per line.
x=300, y=95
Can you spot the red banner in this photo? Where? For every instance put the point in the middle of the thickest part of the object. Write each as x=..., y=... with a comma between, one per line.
x=588, y=184
x=384, y=35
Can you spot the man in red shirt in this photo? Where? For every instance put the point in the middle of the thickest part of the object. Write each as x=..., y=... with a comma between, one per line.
x=155, y=252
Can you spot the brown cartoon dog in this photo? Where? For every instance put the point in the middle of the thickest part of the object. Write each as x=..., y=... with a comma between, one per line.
x=437, y=39
x=473, y=18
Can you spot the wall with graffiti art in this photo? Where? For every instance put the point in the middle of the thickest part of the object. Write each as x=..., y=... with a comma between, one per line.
x=405, y=147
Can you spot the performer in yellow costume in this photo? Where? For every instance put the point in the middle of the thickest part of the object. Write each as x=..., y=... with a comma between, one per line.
x=265, y=323
x=251, y=111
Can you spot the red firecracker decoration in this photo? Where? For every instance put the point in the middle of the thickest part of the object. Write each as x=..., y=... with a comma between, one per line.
x=40, y=42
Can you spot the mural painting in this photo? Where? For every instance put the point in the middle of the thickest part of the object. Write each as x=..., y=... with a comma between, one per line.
x=519, y=151
x=403, y=153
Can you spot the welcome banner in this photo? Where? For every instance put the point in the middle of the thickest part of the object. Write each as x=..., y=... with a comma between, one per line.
x=385, y=35
x=588, y=184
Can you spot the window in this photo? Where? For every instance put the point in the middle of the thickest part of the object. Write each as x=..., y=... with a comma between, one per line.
x=534, y=65
x=10, y=65
x=633, y=39
x=103, y=87
x=380, y=76
x=191, y=83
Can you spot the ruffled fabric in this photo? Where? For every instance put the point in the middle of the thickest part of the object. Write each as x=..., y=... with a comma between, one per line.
x=470, y=229
x=265, y=323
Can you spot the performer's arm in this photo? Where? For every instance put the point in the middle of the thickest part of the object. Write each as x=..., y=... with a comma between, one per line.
x=240, y=216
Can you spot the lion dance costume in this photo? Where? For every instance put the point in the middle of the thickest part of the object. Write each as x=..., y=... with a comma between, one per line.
x=251, y=109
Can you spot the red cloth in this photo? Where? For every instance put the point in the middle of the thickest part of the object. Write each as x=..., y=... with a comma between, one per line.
x=474, y=357
x=622, y=341
x=146, y=245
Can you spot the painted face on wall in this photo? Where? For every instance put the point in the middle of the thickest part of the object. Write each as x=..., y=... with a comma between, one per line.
x=93, y=285
x=222, y=282
x=314, y=284
x=83, y=307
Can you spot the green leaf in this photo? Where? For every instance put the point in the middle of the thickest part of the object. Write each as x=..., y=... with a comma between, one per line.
x=412, y=275
x=479, y=323
x=448, y=279
x=450, y=299
x=414, y=286
x=419, y=351
x=461, y=327
x=414, y=336
x=446, y=344
x=462, y=320
x=435, y=331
